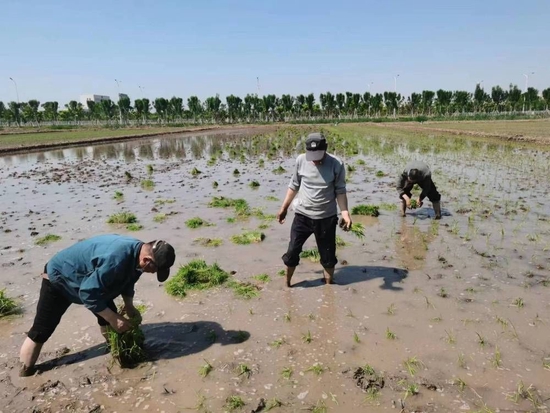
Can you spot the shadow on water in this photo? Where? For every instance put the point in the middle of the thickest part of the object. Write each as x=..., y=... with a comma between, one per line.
x=352, y=274
x=163, y=341
x=427, y=213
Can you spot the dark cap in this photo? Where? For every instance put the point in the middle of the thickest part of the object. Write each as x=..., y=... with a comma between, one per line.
x=164, y=256
x=316, y=146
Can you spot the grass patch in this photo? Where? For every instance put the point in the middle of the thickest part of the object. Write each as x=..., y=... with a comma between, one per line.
x=248, y=237
x=244, y=290
x=160, y=218
x=8, y=306
x=279, y=170
x=147, y=184
x=387, y=206
x=196, y=222
x=271, y=198
x=263, y=278
x=340, y=241
x=311, y=254
x=241, y=206
x=254, y=184
x=316, y=369
x=164, y=201
x=195, y=172
x=208, y=242
x=47, y=239
x=119, y=196
x=362, y=209
x=380, y=174
x=196, y=275
x=134, y=227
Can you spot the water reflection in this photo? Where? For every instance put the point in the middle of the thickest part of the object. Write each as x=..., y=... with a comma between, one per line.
x=412, y=244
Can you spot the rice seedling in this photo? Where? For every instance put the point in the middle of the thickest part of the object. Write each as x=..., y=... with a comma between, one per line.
x=244, y=290
x=361, y=162
x=414, y=204
x=373, y=394
x=160, y=218
x=281, y=272
x=358, y=230
x=461, y=384
x=391, y=309
x=340, y=241
x=496, y=360
x=388, y=207
x=261, y=162
x=518, y=302
x=215, y=184
x=451, y=338
x=8, y=306
x=248, y=237
x=311, y=316
x=279, y=170
x=211, y=336
x=316, y=369
x=234, y=403
x=263, y=226
x=481, y=340
x=208, y=242
x=127, y=348
x=390, y=335
x=503, y=322
x=379, y=174
x=412, y=364
x=147, y=184
x=370, y=210
x=134, y=227
x=201, y=404
x=236, y=172
x=128, y=176
x=47, y=239
x=277, y=343
x=287, y=317
x=320, y=407
x=273, y=404
x=196, y=275
x=356, y=337
x=546, y=363
x=231, y=220
x=429, y=303
x=196, y=222
x=306, y=338
x=461, y=361
x=254, y=184
x=443, y=293
x=410, y=390
x=150, y=169
x=484, y=409
x=195, y=172
x=350, y=313
x=271, y=198
x=311, y=254
x=437, y=319
x=223, y=202
x=244, y=370
x=164, y=201
x=119, y=196
x=417, y=290
x=212, y=161
x=122, y=218
x=263, y=278
x=286, y=373
x=205, y=369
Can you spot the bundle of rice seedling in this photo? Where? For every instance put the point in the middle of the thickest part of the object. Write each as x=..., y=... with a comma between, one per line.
x=371, y=210
x=358, y=230
x=127, y=349
x=7, y=305
x=414, y=204
x=196, y=275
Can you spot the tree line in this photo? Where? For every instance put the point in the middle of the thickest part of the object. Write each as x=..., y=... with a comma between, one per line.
x=270, y=108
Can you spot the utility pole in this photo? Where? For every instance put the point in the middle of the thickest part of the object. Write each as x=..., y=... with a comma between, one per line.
x=395, y=83
x=258, y=82
x=119, y=108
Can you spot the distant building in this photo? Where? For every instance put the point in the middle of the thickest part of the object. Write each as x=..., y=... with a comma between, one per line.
x=94, y=98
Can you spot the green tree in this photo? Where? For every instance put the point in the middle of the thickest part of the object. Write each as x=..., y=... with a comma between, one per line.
x=427, y=101
x=107, y=109
x=531, y=97
x=366, y=104
x=414, y=102
x=50, y=111
x=341, y=103
x=161, y=108
x=14, y=113
x=461, y=100
x=287, y=102
x=310, y=103
x=74, y=110
x=195, y=107
x=480, y=97
x=498, y=95
x=377, y=104
x=443, y=102
x=175, y=108
x=124, y=106
x=2, y=111
x=34, y=105
x=234, y=107
x=212, y=105
x=545, y=96
x=514, y=97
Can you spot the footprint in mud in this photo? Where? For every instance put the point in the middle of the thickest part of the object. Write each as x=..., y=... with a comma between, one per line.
x=366, y=378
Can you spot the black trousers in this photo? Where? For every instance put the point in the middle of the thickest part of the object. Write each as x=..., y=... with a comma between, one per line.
x=52, y=304
x=325, y=236
x=433, y=195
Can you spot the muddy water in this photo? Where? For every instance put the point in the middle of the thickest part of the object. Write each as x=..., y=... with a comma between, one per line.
x=441, y=288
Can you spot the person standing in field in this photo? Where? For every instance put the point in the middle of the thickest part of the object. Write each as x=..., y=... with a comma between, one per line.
x=319, y=180
x=93, y=272
x=417, y=172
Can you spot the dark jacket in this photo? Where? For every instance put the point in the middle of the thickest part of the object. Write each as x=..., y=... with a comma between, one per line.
x=424, y=179
x=95, y=271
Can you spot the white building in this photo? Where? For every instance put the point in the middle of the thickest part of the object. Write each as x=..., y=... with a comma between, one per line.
x=94, y=98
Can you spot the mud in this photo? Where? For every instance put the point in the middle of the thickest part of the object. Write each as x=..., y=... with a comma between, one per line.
x=490, y=249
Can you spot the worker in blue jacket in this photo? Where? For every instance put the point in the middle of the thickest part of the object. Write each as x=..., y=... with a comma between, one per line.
x=93, y=272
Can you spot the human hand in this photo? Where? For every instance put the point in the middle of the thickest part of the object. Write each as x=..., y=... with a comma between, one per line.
x=121, y=324
x=419, y=203
x=345, y=221
x=281, y=215
x=132, y=313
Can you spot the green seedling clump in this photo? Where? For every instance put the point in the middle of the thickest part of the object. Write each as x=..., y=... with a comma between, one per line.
x=370, y=210
x=244, y=290
x=254, y=184
x=147, y=184
x=196, y=275
x=279, y=170
x=208, y=242
x=122, y=218
x=241, y=206
x=47, y=239
x=312, y=254
x=380, y=174
x=358, y=230
x=118, y=196
x=127, y=348
x=248, y=237
x=134, y=227
x=196, y=222
x=195, y=172
x=160, y=218
x=8, y=306
x=414, y=204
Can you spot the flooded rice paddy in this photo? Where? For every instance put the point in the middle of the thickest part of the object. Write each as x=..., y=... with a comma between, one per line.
x=451, y=315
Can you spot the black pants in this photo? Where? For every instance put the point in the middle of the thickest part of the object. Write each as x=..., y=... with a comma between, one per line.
x=52, y=304
x=433, y=195
x=325, y=236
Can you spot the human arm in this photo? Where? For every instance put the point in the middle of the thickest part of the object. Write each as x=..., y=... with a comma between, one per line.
x=400, y=184
x=130, y=310
x=281, y=215
x=426, y=186
x=119, y=323
x=341, y=196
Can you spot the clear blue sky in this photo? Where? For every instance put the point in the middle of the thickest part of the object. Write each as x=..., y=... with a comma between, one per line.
x=58, y=50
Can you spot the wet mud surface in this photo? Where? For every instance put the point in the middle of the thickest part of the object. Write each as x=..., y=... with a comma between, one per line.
x=451, y=315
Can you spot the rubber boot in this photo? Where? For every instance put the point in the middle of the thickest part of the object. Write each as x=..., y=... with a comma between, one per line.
x=437, y=209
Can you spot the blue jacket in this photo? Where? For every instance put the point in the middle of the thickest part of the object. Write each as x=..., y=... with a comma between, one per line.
x=95, y=271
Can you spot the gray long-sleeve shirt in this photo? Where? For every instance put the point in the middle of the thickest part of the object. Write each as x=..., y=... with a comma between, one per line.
x=424, y=178
x=317, y=186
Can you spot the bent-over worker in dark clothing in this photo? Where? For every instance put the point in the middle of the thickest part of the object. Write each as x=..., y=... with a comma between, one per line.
x=93, y=272
x=417, y=172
